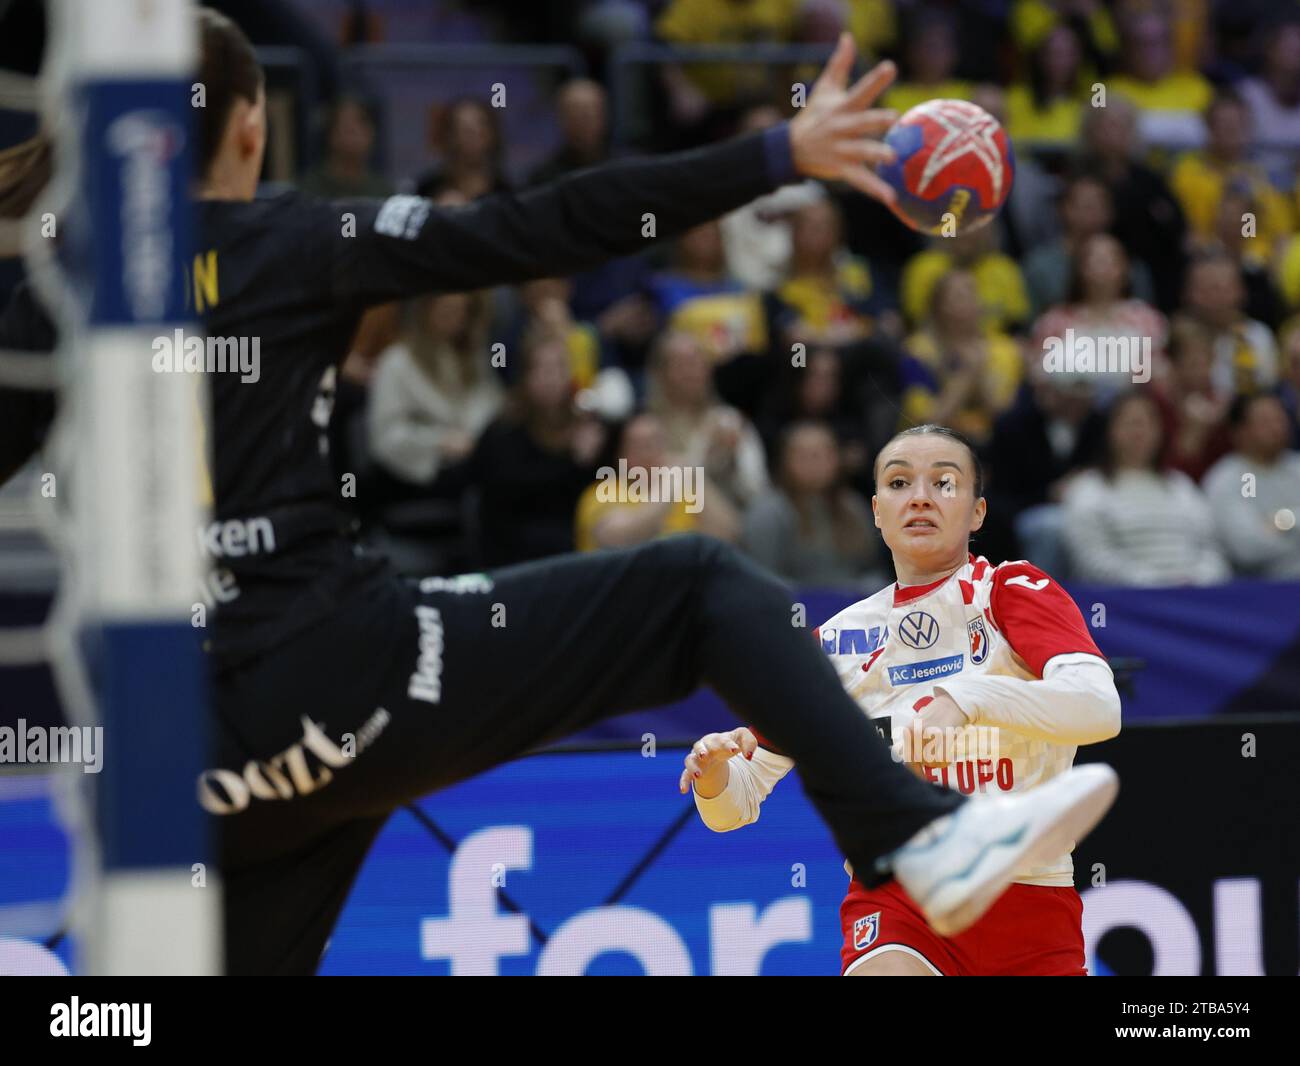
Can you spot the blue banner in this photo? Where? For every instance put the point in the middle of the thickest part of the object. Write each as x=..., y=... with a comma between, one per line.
x=134, y=235
x=1179, y=653
x=593, y=863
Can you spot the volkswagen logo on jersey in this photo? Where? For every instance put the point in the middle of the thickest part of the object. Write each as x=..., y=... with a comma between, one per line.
x=979, y=641
x=865, y=931
x=918, y=630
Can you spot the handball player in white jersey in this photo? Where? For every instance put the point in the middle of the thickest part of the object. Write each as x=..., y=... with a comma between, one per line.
x=983, y=679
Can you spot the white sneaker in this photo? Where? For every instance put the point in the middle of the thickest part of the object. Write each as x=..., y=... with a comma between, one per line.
x=958, y=865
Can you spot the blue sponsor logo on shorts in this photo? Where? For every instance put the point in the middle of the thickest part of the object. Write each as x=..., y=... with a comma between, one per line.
x=915, y=673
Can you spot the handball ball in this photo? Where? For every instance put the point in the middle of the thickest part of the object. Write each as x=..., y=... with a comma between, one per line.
x=953, y=159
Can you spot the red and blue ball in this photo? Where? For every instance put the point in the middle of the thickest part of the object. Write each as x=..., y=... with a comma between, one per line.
x=954, y=167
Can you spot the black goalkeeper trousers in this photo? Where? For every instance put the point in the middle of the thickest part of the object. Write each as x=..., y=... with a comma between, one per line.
x=414, y=685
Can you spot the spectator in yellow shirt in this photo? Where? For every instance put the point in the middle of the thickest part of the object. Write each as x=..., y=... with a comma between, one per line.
x=649, y=496
x=1033, y=20
x=955, y=372
x=829, y=290
x=1048, y=105
x=696, y=87
x=1170, y=100
x=1245, y=350
x=1200, y=178
x=701, y=430
x=874, y=25
x=1288, y=274
x=1233, y=236
x=930, y=60
x=545, y=304
x=1003, y=296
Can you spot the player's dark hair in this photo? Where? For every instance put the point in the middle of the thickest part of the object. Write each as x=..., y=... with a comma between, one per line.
x=932, y=429
x=228, y=71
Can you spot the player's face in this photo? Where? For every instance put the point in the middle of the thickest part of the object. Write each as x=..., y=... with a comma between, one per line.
x=925, y=503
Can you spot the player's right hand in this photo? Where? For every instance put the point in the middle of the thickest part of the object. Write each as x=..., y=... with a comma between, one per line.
x=706, y=764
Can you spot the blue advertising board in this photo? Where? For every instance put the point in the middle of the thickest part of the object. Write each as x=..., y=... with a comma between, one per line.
x=592, y=862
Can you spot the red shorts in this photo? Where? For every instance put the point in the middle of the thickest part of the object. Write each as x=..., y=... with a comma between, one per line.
x=1032, y=930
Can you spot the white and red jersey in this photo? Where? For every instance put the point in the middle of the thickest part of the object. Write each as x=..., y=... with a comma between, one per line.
x=980, y=635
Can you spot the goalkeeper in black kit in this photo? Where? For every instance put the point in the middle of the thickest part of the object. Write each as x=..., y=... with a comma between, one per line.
x=342, y=691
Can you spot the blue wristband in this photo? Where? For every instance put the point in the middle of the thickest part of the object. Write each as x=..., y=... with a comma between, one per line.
x=780, y=158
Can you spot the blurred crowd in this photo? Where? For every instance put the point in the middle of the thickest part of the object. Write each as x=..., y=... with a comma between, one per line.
x=776, y=350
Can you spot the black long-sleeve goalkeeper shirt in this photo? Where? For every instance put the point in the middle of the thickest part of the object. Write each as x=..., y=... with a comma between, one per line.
x=290, y=277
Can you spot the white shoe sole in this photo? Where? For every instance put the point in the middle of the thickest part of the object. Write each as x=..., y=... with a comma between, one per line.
x=1073, y=805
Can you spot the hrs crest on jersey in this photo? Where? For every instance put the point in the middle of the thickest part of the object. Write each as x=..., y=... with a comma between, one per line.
x=979, y=641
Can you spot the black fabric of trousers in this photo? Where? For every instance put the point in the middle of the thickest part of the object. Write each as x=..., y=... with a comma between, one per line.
x=550, y=648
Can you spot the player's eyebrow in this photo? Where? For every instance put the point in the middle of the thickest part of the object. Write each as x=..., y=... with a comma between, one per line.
x=937, y=462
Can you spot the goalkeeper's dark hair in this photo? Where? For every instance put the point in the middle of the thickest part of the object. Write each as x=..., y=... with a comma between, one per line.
x=931, y=429
x=228, y=71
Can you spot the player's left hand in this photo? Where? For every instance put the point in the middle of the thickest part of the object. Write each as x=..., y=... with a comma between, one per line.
x=831, y=137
